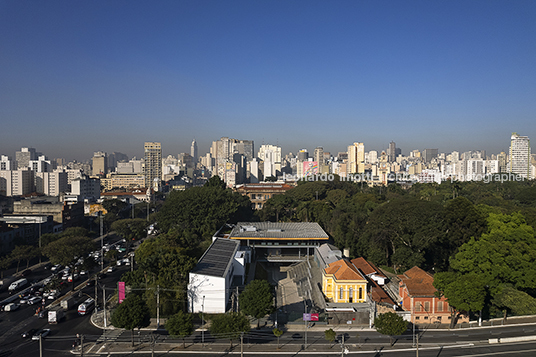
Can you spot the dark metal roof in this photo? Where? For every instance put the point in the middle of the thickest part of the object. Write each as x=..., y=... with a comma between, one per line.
x=217, y=258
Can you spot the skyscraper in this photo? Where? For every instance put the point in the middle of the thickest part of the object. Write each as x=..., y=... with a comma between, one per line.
x=153, y=163
x=24, y=156
x=519, y=155
x=392, y=151
x=193, y=152
x=356, y=158
x=319, y=157
x=100, y=164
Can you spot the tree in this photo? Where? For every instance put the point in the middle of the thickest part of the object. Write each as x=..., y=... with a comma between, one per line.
x=390, y=324
x=257, y=299
x=330, y=335
x=277, y=333
x=130, y=314
x=505, y=254
x=180, y=325
x=67, y=250
x=24, y=252
x=515, y=301
x=193, y=215
x=464, y=293
x=131, y=229
x=229, y=326
x=5, y=263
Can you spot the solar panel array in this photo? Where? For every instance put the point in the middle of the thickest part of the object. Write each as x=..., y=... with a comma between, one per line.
x=217, y=258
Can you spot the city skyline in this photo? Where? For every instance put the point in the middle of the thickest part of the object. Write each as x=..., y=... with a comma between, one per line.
x=83, y=77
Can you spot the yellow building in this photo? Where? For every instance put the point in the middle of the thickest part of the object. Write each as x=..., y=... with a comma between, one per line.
x=342, y=282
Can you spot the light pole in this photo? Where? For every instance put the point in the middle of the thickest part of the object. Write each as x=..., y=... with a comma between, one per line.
x=102, y=243
x=203, y=322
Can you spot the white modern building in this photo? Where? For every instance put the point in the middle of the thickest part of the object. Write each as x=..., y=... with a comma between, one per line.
x=519, y=155
x=210, y=282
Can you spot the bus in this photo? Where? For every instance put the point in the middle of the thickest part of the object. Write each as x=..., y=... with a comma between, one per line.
x=86, y=306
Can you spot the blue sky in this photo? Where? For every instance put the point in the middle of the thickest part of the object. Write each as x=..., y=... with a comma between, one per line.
x=83, y=76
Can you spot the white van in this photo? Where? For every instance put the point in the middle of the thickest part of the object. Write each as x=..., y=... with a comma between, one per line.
x=17, y=284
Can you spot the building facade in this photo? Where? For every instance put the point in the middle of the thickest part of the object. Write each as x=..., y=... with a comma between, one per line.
x=153, y=164
x=418, y=295
x=520, y=155
x=342, y=282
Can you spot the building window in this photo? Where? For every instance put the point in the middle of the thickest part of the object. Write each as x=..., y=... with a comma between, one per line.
x=350, y=295
x=427, y=306
x=341, y=293
x=418, y=306
x=440, y=306
x=417, y=318
x=360, y=293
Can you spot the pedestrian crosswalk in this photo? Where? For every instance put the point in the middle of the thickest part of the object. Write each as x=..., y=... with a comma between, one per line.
x=110, y=336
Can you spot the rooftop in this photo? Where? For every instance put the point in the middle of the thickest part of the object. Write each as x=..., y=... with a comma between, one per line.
x=279, y=230
x=218, y=258
x=344, y=270
x=418, y=282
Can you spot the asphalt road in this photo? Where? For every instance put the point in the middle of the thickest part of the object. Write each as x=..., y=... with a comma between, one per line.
x=63, y=334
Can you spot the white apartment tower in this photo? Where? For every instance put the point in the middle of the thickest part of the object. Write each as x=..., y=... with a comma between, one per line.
x=153, y=163
x=519, y=155
x=193, y=152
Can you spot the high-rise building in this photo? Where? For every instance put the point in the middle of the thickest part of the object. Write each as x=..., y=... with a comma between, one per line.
x=503, y=162
x=429, y=154
x=100, y=164
x=519, y=155
x=153, y=164
x=51, y=183
x=225, y=153
x=319, y=157
x=356, y=158
x=6, y=163
x=392, y=151
x=271, y=157
x=16, y=182
x=24, y=156
x=193, y=152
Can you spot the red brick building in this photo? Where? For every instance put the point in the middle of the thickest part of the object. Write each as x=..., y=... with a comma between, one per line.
x=417, y=295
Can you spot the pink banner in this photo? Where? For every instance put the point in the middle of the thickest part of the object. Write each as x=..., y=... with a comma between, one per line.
x=121, y=290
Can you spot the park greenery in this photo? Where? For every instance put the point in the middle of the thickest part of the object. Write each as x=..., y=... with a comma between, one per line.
x=180, y=325
x=229, y=326
x=130, y=314
x=257, y=299
x=477, y=238
x=391, y=324
x=185, y=223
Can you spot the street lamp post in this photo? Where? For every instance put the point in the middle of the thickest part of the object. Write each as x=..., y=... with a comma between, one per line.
x=203, y=322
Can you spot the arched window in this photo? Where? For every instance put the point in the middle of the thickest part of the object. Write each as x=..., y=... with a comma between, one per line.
x=360, y=293
x=351, y=295
x=341, y=293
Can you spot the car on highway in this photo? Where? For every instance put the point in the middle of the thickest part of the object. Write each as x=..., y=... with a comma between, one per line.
x=11, y=307
x=29, y=333
x=111, y=269
x=24, y=299
x=56, y=268
x=43, y=333
x=34, y=300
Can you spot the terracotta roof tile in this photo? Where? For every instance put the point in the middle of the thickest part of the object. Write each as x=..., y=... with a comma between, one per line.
x=344, y=270
x=418, y=282
x=366, y=267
